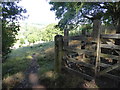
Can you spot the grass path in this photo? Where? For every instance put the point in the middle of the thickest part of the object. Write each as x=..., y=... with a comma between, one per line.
x=21, y=58
x=31, y=77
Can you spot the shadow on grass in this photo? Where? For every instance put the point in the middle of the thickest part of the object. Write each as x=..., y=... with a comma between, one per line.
x=20, y=58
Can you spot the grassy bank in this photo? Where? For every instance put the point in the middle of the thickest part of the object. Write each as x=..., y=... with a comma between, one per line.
x=19, y=59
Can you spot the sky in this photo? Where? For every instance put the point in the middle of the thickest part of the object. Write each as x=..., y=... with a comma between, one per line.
x=38, y=11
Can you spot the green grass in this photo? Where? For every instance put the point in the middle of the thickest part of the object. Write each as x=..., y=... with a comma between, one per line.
x=19, y=59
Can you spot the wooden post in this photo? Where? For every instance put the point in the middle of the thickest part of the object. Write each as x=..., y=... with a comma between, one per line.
x=96, y=26
x=98, y=29
x=83, y=32
x=66, y=34
x=58, y=52
x=117, y=41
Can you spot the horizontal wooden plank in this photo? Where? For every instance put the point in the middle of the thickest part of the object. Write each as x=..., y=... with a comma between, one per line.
x=81, y=63
x=110, y=46
x=88, y=77
x=111, y=36
x=107, y=56
x=109, y=69
x=117, y=78
x=79, y=37
x=80, y=51
x=69, y=49
x=105, y=65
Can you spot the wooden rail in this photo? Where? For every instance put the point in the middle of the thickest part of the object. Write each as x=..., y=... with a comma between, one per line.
x=80, y=51
x=110, y=36
x=107, y=56
x=105, y=65
x=79, y=37
x=88, y=77
x=62, y=48
x=109, y=69
x=110, y=46
x=81, y=63
x=117, y=78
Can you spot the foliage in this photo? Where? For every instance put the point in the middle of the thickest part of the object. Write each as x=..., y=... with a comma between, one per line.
x=49, y=32
x=8, y=33
x=33, y=33
x=10, y=25
x=22, y=41
x=77, y=12
x=32, y=38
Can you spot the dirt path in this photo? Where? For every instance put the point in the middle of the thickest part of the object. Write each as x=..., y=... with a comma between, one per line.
x=31, y=74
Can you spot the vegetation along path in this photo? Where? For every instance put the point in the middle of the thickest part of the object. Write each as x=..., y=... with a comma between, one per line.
x=31, y=75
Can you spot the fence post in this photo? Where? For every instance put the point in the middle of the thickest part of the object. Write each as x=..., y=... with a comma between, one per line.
x=58, y=52
x=66, y=34
x=98, y=28
x=96, y=25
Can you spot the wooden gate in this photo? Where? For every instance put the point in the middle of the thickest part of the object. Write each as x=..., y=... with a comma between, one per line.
x=109, y=56
x=88, y=56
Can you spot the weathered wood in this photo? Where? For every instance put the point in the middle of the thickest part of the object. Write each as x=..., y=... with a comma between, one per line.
x=97, y=66
x=105, y=65
x=81, y=63
x=79, y=37
x=109, y=69
x=79, y=51
x=110, y=36
x=88, y=77
x=58, y=52
x=110, y=46
x=110, y=56
x=66, y=34
x=117, y=78
x=96, y=26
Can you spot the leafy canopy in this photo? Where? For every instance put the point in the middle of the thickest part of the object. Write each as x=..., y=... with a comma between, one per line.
x=77, y=12
x=11, y=13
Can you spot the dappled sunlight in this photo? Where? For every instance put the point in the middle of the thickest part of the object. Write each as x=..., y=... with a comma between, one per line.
x=40, y=87
x=49, y=74
x=49, y=53
x=11, y=81
x=90, y=84
x=14, y=65
x=86, y=50
x=29, y=57
x=49, y=50
x=33, y=78
x=74, y=42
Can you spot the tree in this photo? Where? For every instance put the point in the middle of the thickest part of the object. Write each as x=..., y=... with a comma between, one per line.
x=11, y=13
x=77, y=12
x=22, y=41
x=50, y=31
x=32, y=38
